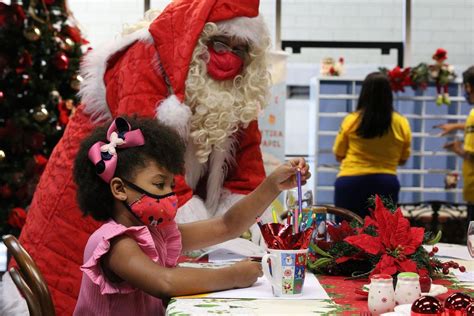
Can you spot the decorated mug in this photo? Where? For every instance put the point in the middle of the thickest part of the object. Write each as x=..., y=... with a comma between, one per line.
x=285, y=269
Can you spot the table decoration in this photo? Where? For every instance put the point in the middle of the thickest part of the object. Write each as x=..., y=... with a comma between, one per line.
x=427, y=305
x=384, y=244
x=456, y=304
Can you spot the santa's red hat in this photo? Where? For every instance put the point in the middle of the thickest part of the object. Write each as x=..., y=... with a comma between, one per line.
x=440, y=54
x=187, y=18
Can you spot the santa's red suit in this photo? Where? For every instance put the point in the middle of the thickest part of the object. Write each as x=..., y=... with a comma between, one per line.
x=128, y=78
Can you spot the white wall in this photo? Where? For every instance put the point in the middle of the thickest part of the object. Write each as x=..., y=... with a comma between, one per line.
x=436, y=23
x=447, y=24
x=102, y=20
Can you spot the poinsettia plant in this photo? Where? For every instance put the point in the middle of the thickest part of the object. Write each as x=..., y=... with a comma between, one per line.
x=385, y=243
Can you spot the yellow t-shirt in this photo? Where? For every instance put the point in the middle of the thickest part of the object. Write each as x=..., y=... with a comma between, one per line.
x=375, y=155
x=468, y=165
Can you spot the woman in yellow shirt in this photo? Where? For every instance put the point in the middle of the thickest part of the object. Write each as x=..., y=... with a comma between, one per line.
x=370, y=145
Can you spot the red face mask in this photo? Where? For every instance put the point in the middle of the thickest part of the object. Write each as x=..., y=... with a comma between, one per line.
x=223, y=65
x=152, y=209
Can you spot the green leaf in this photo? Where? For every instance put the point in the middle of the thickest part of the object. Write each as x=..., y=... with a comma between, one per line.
x=319, y=251
x=436, y=239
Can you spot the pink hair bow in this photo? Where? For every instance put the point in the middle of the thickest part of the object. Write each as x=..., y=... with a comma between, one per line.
x=104, y=155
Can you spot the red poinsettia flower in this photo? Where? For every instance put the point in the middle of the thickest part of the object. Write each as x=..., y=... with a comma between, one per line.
x=399, y=78
x=40, y=163
x=338, y=233
x=17, y=217
x=357, y=256
x=395, y=242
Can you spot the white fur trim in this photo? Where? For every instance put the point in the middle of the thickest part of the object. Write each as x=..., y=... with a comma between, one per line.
x=193, y=168
x=226, y=201
x=219, y=164
x=251, y=29
x=93, y=68
x=173, y=113
x=192, y=211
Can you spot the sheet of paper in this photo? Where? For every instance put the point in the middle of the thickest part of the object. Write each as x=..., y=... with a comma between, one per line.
x=312, y=290
x=467, y=276
x=234, y=250
x=224, y=255
x=451, y=251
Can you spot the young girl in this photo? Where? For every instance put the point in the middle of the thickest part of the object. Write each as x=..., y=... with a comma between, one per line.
x=124, y=175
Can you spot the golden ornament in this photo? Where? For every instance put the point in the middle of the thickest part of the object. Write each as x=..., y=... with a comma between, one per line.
x=2, y=155
x=40, y=113
x=55, y=97
x=68, y=44
x=76, y=82
x=32, y=33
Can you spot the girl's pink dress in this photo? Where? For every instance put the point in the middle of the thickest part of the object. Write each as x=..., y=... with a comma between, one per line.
x=98, y=296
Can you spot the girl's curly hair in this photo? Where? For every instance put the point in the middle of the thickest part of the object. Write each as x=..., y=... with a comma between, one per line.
x=162, y=145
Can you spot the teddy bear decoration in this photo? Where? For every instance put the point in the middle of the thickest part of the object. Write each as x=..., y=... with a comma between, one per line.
x=329, y=67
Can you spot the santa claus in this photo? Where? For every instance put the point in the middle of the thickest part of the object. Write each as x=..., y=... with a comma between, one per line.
x=200, y=67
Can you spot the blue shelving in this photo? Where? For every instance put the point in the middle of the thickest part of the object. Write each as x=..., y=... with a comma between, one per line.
x=422, y=178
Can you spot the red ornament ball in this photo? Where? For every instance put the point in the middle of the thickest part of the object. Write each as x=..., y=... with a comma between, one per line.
x=462, y=268
x=457, y=301
x=61, y=61
x=427, y=305
x=32, y=33
x=470, y=309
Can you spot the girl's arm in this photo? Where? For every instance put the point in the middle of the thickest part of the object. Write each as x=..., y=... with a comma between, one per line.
x=129, y=263
x=242, y=214
x=457, y=148
x=450, y=127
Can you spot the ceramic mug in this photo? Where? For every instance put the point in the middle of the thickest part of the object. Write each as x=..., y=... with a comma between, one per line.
x=285, y=269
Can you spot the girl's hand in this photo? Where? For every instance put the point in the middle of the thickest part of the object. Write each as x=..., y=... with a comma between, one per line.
x=284, y=177
x=246, y=273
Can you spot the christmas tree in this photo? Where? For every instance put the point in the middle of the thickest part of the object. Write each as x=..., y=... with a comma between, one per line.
x=40, y=51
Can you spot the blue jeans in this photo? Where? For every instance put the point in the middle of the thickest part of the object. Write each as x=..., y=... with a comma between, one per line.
x=353, y=192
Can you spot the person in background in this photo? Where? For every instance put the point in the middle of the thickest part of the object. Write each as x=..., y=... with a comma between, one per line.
x=371, y=143
x=465, y=150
